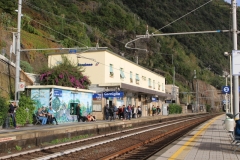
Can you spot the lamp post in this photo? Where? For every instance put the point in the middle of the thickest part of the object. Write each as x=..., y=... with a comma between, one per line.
x=195, y=77
x=231, y=82
x=17, y=95
x=235, y=78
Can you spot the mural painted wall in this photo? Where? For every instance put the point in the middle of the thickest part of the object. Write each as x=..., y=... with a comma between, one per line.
x=61, y=104
x=41, y=97
x=61, y=100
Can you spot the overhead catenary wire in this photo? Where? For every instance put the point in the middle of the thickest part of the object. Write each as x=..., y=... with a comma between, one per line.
x=147, y=36
x=183, y=16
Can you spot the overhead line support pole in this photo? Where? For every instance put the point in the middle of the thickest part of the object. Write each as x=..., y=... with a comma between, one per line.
x=235, y=78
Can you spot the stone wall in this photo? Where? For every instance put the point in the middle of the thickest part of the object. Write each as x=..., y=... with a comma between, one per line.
x=7, y=77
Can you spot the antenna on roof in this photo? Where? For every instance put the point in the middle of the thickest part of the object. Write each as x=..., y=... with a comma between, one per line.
x=97, y=45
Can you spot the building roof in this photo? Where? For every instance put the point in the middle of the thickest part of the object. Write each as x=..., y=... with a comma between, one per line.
x=106, y=50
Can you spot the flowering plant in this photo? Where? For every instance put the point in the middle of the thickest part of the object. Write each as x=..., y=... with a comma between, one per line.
x=65, y=74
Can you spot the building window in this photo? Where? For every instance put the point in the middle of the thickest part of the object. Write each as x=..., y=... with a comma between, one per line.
x=137, y=79
x=162, y=87
x=122, y=73
x=131, y=79
x=149, y=83
x=159, y=86
x=153, y=84
x=111, y=70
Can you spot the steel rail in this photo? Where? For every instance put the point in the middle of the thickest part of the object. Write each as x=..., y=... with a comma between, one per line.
x=58, y=154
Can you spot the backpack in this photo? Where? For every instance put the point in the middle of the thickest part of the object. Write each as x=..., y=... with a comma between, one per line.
x=110, y=110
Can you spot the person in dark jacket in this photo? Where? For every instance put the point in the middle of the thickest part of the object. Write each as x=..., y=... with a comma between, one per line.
x=12, y=112
x=79, y=113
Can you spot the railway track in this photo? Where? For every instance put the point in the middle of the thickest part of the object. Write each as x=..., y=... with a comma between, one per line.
x=114, y=145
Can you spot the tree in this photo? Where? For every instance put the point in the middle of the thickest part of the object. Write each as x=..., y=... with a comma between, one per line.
x=65, y=74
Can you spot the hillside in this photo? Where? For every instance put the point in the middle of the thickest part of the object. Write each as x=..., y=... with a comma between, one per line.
x=113, y=23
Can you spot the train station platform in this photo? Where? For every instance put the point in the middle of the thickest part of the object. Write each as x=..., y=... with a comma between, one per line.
x=37, y=135
x=209, y=141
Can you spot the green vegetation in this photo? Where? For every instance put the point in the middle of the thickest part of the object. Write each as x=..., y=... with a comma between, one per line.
x=65, y=74
x=64, y=140
x=18, y=148
x=175, y=109
x=22, y=115
x=49, y=24
x=3, y=110
x=26, y=66
x=208, y=108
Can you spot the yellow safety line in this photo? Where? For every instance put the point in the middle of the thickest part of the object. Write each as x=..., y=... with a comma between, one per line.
x=179, y=151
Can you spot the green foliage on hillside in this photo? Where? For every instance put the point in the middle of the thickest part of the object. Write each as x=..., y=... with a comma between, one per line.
x=26, y=66
x=114, y=22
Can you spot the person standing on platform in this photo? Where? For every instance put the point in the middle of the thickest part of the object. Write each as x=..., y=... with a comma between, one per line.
x=12, y=112
x=110, y=111
x=129, y=111
x=135, y=110
x=154, y=109
x=158, y=110
x=51, y=113
x=115, y=110
x=106, y=111
x=139, y=112
x=79, y=113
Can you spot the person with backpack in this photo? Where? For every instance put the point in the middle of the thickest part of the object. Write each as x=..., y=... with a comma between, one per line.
x=139, y=111
x=129, y=108
x=106, y=110
x=12, y=112
x=154, y=109
x=110, y=111
x=115, y=110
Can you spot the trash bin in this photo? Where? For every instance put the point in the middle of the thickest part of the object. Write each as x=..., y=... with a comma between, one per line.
x=230, y=122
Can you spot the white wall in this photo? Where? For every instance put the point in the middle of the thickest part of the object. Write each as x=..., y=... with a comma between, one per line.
x=100, y=74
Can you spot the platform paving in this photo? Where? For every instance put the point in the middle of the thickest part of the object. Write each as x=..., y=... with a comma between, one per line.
x=209, y=141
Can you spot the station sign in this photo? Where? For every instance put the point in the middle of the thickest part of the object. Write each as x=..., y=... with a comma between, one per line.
x=57, y=93
x=154, y=99
x=226, y=89
x=113, y=94
x=73, y=51
x=85, y=64
x=97, y=96
x=168, y=101
x=236, y=62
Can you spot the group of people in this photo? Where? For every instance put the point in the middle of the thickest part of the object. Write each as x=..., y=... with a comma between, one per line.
x=123, y=112
x=156, y=110
x=46, y=115
x=80, y=117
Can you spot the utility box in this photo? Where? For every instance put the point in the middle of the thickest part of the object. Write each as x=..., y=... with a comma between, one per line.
x=165, y=109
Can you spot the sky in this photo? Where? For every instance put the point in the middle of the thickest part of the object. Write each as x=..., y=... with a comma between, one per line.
x=238, y=2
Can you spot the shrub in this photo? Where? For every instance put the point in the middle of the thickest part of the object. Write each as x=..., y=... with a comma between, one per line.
x=175, y=109
x=208, y=108
x=22, y=116
x=26, y=66
x=3, y=110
